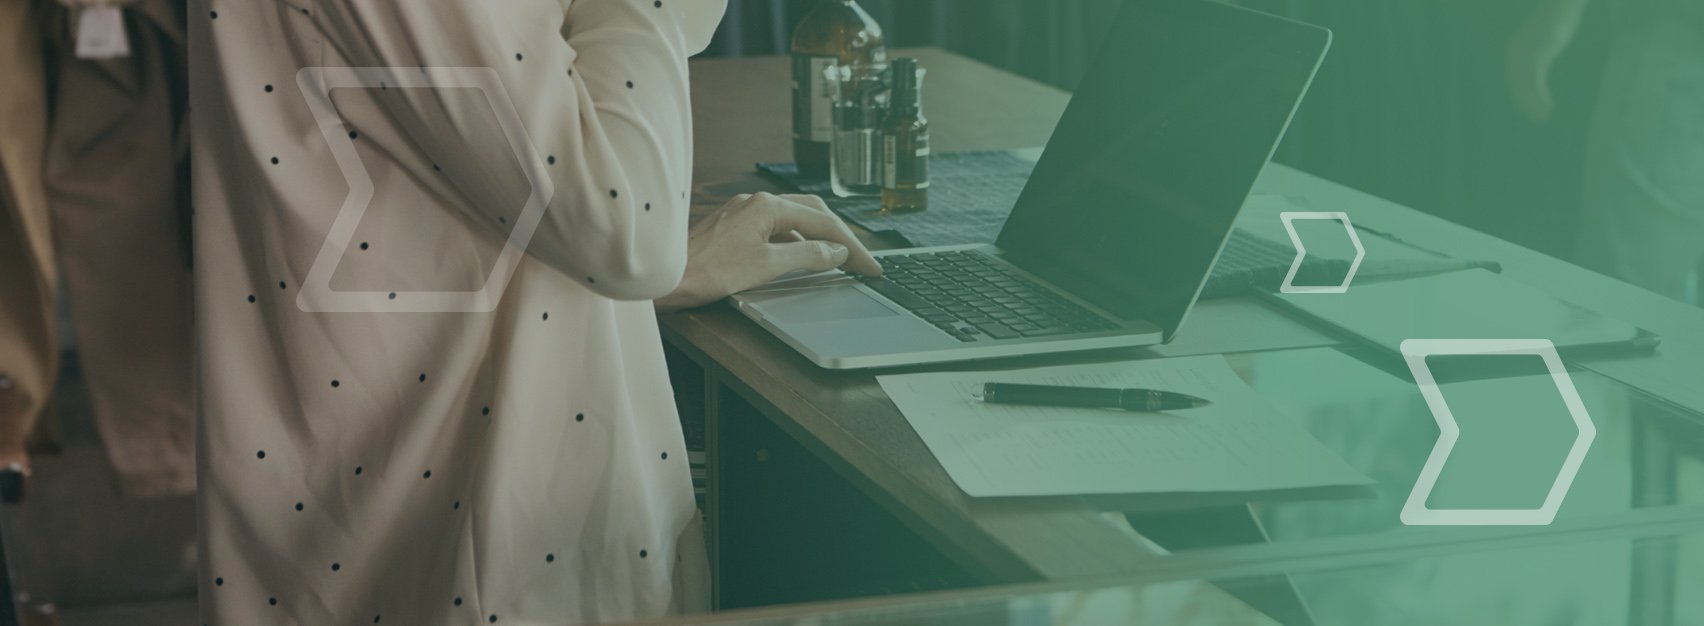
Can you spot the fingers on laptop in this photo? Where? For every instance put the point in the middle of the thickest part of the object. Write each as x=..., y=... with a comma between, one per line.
x=809, y=200
x=819, y=224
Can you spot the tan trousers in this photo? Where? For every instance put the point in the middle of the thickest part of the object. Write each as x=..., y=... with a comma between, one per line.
x=118, y=184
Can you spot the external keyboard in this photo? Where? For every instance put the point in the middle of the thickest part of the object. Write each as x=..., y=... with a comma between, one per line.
x=972, y=297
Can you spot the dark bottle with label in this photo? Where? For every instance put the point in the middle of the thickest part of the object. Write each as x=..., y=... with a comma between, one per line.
x=905, y=135
x=836, y=32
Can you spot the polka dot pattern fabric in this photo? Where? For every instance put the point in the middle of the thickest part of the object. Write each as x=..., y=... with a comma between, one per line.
x=519, y=466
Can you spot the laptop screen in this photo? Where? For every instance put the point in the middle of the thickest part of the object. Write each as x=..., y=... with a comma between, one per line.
x=1161, y=143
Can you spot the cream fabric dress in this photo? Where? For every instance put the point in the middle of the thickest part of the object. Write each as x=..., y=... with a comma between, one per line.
x=521, y=464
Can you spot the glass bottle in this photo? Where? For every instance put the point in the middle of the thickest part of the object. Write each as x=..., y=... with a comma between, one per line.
x=905, y=134
x=836, y=32
x=860, y=97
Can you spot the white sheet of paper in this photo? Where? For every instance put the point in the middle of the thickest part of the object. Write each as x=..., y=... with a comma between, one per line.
x=1239, y=443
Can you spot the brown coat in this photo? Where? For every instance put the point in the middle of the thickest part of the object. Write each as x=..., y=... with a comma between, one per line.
x=114, y=169
x=28, y=351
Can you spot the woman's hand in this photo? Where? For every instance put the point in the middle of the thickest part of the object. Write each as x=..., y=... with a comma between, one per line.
x=1533, y=51
x=753, y=239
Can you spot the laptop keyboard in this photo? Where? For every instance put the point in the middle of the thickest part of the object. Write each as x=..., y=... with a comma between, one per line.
x=1248, y=253
x=974, y=298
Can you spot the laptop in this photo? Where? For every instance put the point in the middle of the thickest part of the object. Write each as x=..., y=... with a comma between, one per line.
x=1119, y=225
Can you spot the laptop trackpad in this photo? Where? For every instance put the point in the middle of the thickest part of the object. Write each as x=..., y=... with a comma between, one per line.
x=821, y=305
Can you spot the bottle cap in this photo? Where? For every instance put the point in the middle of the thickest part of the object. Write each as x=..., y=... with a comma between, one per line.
x=904, y=74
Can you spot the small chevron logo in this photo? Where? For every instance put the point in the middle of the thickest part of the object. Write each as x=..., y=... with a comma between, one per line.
x=1289, y=218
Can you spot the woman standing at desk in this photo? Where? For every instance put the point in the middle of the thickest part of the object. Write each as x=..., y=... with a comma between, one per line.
x=517, y=466
x=1643, y=203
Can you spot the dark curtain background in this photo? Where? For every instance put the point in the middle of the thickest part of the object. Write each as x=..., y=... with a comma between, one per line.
x=1410, y=104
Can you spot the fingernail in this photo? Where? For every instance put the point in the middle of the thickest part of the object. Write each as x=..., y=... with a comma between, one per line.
x=838, y=251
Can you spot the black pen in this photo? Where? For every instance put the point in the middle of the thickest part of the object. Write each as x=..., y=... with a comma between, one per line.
x=1147, y=400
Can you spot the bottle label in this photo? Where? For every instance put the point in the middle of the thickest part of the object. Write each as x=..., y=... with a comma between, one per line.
x=813, y=110
x=890, y=150
x=909, y=168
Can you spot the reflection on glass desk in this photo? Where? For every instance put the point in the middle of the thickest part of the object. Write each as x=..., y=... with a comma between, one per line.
x=1515, y=432
x=1627, y=545
x=1646, y=463
x=1570, y=573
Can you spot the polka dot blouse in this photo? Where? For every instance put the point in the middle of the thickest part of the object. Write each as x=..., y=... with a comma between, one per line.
x=519, y=463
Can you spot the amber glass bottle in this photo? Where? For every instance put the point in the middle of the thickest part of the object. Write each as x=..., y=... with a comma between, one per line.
x=905, y=134
x=837, y=31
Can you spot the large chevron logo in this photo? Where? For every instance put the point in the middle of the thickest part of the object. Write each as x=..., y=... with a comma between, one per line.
x=317, y=295
x=1416, y=512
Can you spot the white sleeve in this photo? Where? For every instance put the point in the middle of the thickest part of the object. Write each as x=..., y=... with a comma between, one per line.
x=599, y=85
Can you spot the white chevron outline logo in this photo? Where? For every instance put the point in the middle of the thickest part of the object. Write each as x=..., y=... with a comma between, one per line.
x=1415, y=512
x=316, y=295
x=1289, y=218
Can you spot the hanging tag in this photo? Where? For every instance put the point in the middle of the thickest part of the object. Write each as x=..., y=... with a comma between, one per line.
x=100, y=33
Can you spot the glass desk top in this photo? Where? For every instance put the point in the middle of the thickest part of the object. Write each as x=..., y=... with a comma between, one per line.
x=1515, y=434
x=1645, y=467
x=1579, y=576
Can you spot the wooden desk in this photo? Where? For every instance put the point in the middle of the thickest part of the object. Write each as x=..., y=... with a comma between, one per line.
x=844, y=422
x=741, y=112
